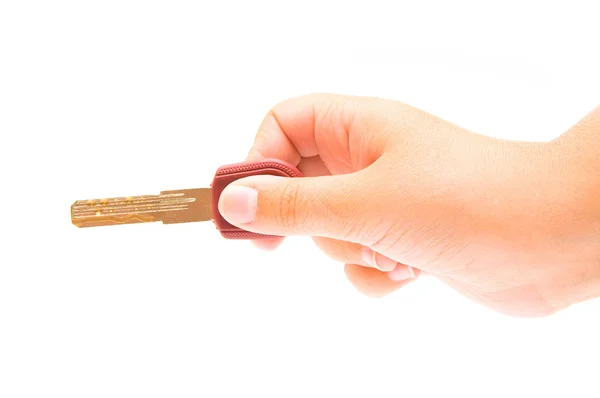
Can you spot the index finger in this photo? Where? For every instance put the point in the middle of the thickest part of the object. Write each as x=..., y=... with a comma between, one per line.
x=287, y=132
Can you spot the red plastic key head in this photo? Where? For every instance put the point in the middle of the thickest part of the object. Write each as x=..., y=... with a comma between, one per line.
x=229, y=173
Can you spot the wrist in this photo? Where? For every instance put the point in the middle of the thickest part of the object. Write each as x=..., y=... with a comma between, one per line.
x=578, y=176
x=552, y=206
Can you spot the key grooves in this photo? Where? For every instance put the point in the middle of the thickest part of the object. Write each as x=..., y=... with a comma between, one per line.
x=130, y=209
x=133, y=205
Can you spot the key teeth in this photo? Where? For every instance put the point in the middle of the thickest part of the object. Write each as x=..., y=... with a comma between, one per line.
x=72, y=215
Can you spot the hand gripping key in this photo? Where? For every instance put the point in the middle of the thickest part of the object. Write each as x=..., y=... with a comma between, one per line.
x=179, y=206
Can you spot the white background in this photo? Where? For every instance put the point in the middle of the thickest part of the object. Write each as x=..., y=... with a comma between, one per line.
x=132, y=97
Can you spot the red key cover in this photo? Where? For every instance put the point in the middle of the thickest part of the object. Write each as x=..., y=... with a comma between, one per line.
x=229, y=173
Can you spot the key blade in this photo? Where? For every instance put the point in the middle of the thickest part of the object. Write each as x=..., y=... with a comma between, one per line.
x=170, y=207
x=199, y=209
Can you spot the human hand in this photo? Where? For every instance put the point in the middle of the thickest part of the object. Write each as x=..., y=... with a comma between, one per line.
x=392, y=192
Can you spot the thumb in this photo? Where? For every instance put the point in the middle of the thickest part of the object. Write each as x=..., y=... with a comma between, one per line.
x=337, y=207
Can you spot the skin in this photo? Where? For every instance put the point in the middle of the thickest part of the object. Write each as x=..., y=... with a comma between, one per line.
x=513, y=225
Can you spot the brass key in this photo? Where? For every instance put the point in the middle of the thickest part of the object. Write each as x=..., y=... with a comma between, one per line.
x=170, y=207
x=178, y=206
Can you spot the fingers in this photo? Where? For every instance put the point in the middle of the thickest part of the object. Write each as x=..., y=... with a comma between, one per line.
x=286, y=132
x=347, y=252
x=403, y=273
x=325, y=125
x=353, y=253
x=272, y=141
x=313, y=167
x=372, y=282
x=314, y=131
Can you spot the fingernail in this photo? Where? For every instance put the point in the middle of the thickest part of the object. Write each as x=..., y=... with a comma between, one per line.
x=367, y=256
x=384, y=263
x=377, y=260
x=238, y=204
x=401, y=273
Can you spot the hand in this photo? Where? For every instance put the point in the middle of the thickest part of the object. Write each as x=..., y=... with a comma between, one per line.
x=392, y=191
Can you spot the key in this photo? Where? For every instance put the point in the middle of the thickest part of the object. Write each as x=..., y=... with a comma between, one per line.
x=179, y=206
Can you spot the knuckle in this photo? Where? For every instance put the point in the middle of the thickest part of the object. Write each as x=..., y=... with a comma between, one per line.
x=348, y=252
x=287, y=216
x=256, y=152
